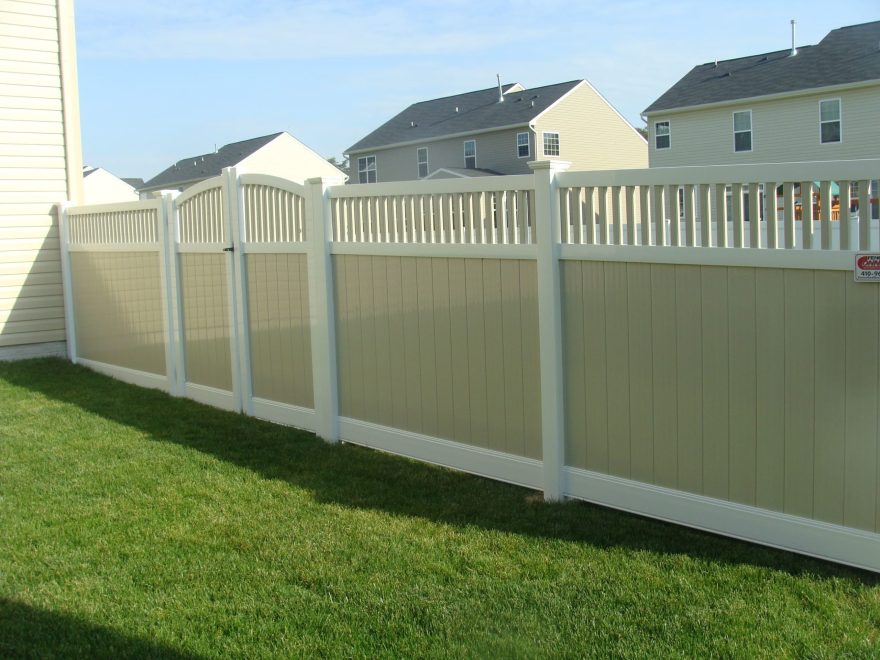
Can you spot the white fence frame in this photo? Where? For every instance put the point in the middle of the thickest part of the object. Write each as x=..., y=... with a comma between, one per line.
x=547, y=244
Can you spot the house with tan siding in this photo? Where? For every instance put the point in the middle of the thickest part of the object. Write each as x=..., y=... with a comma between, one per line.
x=498, y=131
x=278, y=154
x=40, y=167
x=810, y=103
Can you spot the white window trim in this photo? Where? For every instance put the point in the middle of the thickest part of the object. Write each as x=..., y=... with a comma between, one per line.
x=669, y=135
x=528, y=145
x=544, y=143
x=839, y=120
x=419, y=163
x=366, y=167
x=751, y=131
x=464, y=152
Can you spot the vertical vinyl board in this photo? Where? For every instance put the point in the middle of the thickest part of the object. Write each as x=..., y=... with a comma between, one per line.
x=861, y=432
x=257, y=310
x=443, y=348
x=356, y=374
x=383, y=413
x=412, y=345
x=799, y=392
x=513, y=357
x=397, y=342
x=595, y=403
x=528, y=282
x=477, y=353
x=369, y=384
x=279, y=308
x=716, y=326
x=617, y=350
x=428, y=347
x=770, y=388
x=461, y=411
x=343, y=334
x=830, y=389
x=689, y=370
x=641, y=368
x=494, y=348
x=665, y=377
x=573, y=360
x=206, y=320
x=305, y=333
x=743, y=378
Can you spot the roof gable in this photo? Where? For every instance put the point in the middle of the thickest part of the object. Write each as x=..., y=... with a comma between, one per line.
x=846, y=55
x=464, y=113
x=204, y=166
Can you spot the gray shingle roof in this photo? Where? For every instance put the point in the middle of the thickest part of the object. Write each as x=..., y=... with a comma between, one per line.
x=204, y=166
x=846, y=55
x=134, y=182
x=477, y=111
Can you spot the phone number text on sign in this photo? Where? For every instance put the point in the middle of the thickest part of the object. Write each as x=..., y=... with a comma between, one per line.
x=867, y=267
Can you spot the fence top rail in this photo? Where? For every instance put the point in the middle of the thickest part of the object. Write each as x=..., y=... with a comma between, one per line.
x=272, y=182
x=437, y=187
x=202, y=186
x=116, y=207
x=839, y=170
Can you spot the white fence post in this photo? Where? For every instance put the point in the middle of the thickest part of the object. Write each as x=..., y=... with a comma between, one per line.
x=321, y=308
x=165, y=274
x=175, y=301
x=547, y=226
x=241, y=328
x=67, y=282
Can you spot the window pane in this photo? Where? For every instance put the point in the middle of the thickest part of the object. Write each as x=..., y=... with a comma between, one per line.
x=470, y=162
x=742, y=141
x=470, y=148
x=742, y=121
x=551, y=144
x=829, y=110
x=831, y=132
x=661, y=128
x=662, y=141
x=423, y=170
x=522, y=138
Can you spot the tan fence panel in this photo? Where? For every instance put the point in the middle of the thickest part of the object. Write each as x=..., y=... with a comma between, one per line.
x=205, y=298
x=752, y=385
x=280, y=335
x=119, y=309
x=443, y=347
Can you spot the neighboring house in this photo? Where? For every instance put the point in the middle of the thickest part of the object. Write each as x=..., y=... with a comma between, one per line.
x=279, y=154
x=40, y=166
x=100, y=186
x=818, y=102
x=498, y=131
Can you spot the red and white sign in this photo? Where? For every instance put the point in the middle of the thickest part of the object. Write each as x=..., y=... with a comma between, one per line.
x=868, y=267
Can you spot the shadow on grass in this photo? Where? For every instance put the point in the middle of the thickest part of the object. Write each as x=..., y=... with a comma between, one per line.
x=28, y=632
x=356, y=477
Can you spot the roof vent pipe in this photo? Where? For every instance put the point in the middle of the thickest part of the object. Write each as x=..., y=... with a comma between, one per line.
x=793, y=47
x=500, y=93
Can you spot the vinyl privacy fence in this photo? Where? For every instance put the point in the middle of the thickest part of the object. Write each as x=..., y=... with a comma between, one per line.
x=628, y=338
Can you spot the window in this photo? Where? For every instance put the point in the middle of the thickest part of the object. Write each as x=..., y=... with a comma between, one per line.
x=522, y=145
x=662, y=135
x=422, y=157
x=830, y=130
x=470, y=154
x=367, y=169
x=551, y=144
x=742, y=130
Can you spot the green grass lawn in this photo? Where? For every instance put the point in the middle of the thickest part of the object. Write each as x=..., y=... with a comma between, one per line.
x=134, y=524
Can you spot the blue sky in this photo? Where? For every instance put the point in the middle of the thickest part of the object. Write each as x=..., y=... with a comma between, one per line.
x=161, y=79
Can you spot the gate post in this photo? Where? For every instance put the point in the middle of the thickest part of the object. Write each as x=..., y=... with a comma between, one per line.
x=548, y=235
x=321, y=307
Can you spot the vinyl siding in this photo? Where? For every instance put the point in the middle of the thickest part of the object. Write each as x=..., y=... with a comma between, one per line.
x=783, y=130
x=496, y=150
x=592, y=135
x=35, y=163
